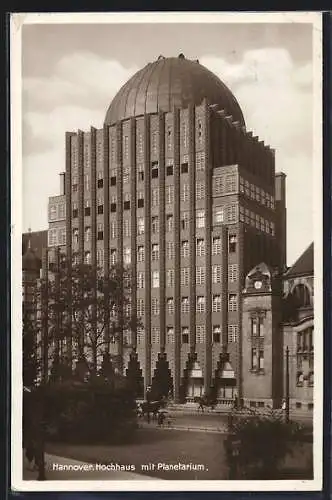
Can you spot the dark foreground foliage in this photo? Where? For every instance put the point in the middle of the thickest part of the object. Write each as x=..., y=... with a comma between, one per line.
x=85, y=412
x=258, y=443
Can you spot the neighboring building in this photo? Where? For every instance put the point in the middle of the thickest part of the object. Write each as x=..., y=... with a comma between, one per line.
x=38, y=241
x=176, y=187
x=278, y=312
x=298, y=329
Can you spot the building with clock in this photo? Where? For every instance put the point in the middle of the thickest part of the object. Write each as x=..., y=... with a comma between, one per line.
x=175, y=186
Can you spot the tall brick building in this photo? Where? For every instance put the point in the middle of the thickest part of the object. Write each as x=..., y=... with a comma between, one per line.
x=176, y=187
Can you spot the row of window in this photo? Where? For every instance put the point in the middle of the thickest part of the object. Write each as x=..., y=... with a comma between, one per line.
x=185, y=334
x=184, y=276
x=257, y=221
x=56, y=236
x=225, y=184
x=185, y=305
x=56, y=211
x=216, y=249
x=255, y=193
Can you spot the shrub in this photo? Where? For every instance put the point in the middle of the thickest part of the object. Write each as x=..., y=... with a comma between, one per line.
x=258, y=443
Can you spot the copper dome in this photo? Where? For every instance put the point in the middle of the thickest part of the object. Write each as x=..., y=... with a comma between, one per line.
x=168, y=82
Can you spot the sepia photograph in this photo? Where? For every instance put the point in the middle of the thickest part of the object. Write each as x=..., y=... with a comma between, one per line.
x=166, y=181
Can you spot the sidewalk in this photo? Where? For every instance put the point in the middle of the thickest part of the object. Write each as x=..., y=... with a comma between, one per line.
x=60, y=468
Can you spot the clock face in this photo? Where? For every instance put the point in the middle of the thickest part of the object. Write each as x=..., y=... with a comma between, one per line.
x=258, y=285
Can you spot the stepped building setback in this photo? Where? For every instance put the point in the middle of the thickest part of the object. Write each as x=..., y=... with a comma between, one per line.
x=174, y=186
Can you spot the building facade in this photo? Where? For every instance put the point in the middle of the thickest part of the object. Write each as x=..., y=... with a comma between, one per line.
x=175, y=187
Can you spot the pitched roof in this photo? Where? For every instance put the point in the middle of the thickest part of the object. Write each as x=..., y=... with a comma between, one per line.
x=304, y=264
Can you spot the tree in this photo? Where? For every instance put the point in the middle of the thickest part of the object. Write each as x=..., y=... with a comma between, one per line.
x=257, y=443
x=87, y=312
x=29, y=358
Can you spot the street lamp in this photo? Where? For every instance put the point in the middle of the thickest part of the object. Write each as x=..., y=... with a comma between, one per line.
x=287, y=386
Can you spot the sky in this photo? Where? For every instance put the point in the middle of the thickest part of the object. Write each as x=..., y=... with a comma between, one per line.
x=70, y=74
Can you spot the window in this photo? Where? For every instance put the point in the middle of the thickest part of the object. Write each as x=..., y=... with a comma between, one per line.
x=52, y=237
x=170, y=277
x=232, y=273
x=169, y=170
x=155, y=279
x=200, y=304
x=139, y=139
x=87, y=234
x=113, y=204
x=232, y=243
x=185, y=276
x=200, y=275
x=100, y=180
x=216, y=334
x=155, y=225
x=100, y=232
x=232, y=213
x=232, y=302
x=140, y=307
x=140, y=253
x=200, y=190
x=140, y=172
x=127, y=255
x=184, y=134
x=185, y=248
x=216, y=303
x=155, y=335
x=170, y=335
x=75, y=236
x=87, y=257
x=113, y=255
x=154, y=170
x=140, y=225
x=100, y=257
x=155, y=306
x=113, y=230
x=125, y=146
x=169, y=222
x=184, y=168
x=126, y=228
x=216, y=274
x=126, y=175
x=170, y=250
x=200, y=218
x=74, y=183
x=169, y=194
x=52, y=212
x=140, y=335
x=184, y=220
x=257, y=359
x=185, y=192
x=299, y=379
x=216, y=245
x=185, y=305
x=200, y=247
x=257, y=326
x=100, y=206
x=170, y=305
x=200, y=334
x=140, y=199
x=185, y=335
x=218, y=216
x=154, y=142
x=169, y=138
x=75, y=210
x=230, y=183
x=126, y=203
x=200, y=161
x=140, y=279
x=232, y=333
x=155, y=251
x=87, y=209
x=155, y=197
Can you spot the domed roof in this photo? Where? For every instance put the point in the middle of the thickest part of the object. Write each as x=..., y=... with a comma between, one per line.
x=168, y=82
